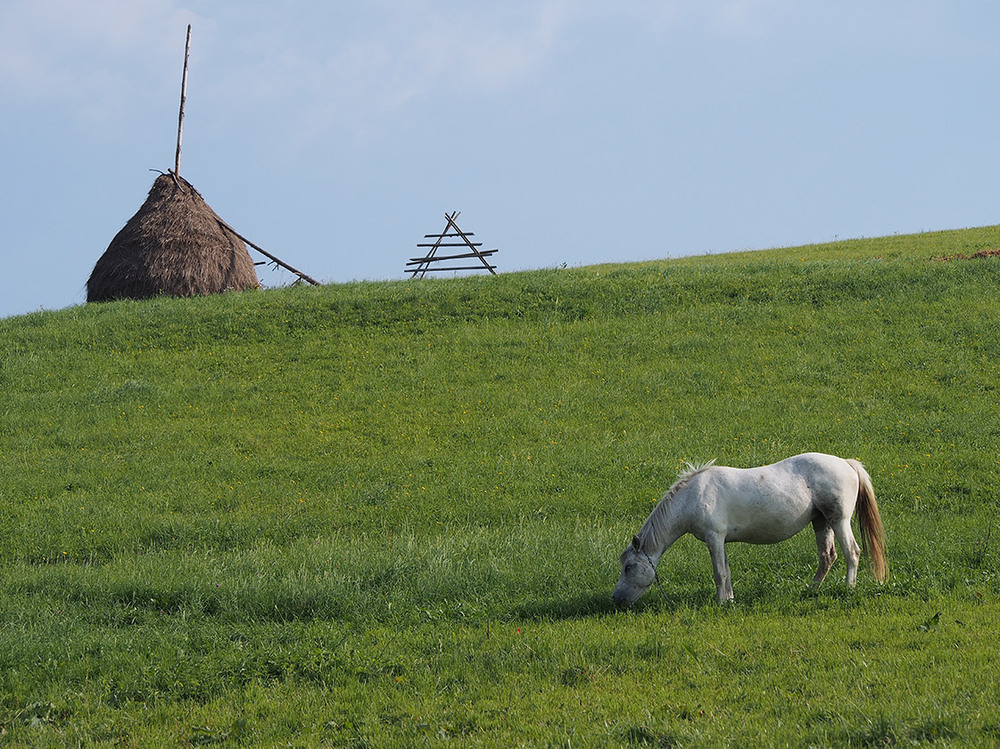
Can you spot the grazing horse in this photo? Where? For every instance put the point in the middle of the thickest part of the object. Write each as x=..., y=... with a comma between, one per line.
x=762, y=505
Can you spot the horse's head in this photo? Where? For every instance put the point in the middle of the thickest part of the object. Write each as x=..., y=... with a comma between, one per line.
x=638, y=573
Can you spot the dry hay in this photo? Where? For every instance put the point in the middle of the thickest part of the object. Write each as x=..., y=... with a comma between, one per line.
x=175, y=245
x=974, y=256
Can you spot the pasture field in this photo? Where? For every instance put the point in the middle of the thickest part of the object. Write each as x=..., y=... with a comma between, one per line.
x=389, y=514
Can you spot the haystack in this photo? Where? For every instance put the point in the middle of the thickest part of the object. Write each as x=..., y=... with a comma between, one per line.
x=176, y=245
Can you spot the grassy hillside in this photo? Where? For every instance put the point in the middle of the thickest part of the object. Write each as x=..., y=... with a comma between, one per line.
x=386, y=514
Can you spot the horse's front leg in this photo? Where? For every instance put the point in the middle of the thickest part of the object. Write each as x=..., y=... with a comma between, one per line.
x=720, y=567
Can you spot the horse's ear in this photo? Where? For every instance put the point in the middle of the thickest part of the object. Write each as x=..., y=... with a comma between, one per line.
x=636, y=543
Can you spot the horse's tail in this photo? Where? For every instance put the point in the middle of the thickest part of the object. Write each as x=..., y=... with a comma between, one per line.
x=872, y=532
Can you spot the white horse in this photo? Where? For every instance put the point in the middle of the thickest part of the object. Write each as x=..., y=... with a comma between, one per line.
x=760, y=506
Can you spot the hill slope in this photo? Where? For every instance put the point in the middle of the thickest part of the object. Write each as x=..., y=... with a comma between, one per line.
x=350, y=503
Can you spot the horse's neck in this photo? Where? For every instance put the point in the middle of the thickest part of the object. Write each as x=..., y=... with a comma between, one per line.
x=664, y=525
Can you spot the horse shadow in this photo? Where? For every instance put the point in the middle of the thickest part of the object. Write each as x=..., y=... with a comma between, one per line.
x=557, y=609
x=600, y=604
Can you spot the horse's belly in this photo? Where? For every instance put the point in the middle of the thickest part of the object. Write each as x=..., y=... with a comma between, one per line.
x=769, y=534
x=767, y=527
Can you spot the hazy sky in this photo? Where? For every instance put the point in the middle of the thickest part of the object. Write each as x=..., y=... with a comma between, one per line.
x=336, y=134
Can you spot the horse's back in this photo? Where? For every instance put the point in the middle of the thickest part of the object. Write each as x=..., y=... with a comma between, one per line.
x=812, y=470
x=814, y=462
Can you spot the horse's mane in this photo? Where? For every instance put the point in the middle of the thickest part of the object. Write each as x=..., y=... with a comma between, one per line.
x=655, y=520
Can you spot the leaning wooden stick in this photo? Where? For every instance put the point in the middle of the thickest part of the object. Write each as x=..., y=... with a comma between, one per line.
x=267, y=254
x=180, y=117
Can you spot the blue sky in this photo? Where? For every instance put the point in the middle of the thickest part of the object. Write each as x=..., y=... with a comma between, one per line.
x=335, y=134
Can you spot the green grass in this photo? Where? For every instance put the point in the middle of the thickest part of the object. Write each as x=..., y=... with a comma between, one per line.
x=389, y=514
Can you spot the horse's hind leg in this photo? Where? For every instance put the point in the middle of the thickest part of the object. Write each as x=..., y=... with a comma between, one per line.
x=849, y=547
x=825, y=547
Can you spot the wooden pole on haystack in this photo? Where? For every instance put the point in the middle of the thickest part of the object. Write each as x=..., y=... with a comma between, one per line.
x=176, y=173
x=180, y=117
